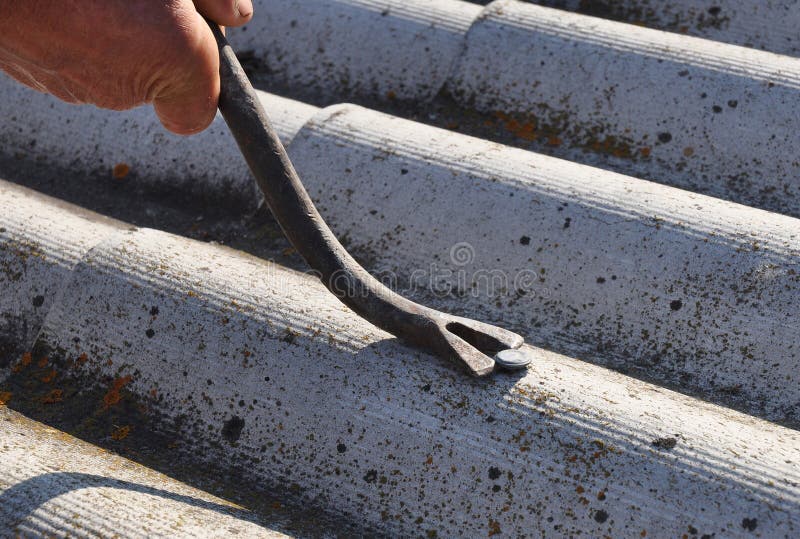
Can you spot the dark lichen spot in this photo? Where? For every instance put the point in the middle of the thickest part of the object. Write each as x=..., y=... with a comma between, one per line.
x=717, y=109
x=150, y=333
x=494, y=473
x=403, y=171
x=733, y=103
x=665, y=443
x=288, y=336
x=490, y=419
x=567, y=222
x=232, y=429
x=525, y=240
x=426, y=387
x=675, y=304
x=601, y=280
x=38, y=301
x=714, y=10
x=371, y=476
x=241, y=404
x=692, y=530
x=341, y=448
x=600, y=516
x=154, y=311
x=496, y=488
x=749, y=524
x=664, y=137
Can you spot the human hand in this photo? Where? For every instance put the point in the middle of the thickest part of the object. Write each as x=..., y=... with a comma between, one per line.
x=119, y=54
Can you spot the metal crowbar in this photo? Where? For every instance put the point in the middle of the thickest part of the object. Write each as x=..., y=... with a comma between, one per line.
x=470, y=342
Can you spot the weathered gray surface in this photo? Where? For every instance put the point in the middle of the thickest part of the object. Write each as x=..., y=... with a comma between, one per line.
x=387, y=48
x=769, y=25
x=37, y=127
x=53, y=485
x=693, y=113
x=674, y=287
x=276, y=375
x=38, y=249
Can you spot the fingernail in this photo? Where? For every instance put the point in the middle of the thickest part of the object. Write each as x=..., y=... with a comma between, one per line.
x=245, y=8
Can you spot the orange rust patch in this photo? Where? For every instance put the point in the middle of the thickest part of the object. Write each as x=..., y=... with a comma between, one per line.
x=579, y=489
x=83, y=358
x=24, y=362
x=42, y=363
x=645, y=151
x=5, y=397
x=391, y=95
x=688, y=152
x=113, y=397
x=494, y=527
x=120, y=433
x=49, y=376
x=55, y=396
x=554, y=141
x=120, y=171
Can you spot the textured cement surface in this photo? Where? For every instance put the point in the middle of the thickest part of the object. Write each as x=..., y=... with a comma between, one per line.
x=259, y=366
x=693, y=113
x=53, y=485
x=670, y=286
x=770, y=25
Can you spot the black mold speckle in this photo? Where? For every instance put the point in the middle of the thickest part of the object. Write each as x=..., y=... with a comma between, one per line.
x=154, y=311
x=371, y=476
x=714, y=10
x=600, y=516
x=664, y=137
x=341, y=448
x=665, y=443
x=232, y=429
x=494, y=473
x=717, y=109
x=496, y=488
x=733, y=103
x=150, y=333
x=601, y=280
x=403, y=171
x=525, y=240
x=567, y=222
x=675, y=304
x=38, y=301
x=749, y=524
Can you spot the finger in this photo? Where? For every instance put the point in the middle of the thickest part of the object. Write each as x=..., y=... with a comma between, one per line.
x=226, y=12
x=187, y=102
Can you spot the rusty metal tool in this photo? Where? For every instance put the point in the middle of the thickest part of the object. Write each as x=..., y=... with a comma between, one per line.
x=467, y=341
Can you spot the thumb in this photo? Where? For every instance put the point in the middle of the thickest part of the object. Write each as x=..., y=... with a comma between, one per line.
x=187, y=101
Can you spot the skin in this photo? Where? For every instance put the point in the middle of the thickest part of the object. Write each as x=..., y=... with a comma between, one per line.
x=120, y=54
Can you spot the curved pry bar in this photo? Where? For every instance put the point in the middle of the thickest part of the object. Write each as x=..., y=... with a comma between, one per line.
x=471, y=343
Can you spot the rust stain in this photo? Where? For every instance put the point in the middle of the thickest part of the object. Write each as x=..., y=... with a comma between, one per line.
x=24, y=362
x=49, y=376
x=120, y=171
x=5, y=397
x=113, y=396
x=53, y=397
x=120, y=433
